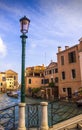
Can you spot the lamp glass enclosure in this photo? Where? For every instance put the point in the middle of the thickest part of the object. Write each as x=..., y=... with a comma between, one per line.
x=24, y=22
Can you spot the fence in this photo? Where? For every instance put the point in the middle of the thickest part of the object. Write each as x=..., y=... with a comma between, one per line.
x=9, y=117
x=33, y=113
x=63, y=109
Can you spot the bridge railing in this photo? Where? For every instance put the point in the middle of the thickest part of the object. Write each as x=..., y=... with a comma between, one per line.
x=64, y=108
x=9, y=117
x=33, y=114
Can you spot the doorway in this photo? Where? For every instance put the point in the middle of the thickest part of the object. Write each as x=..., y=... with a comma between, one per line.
x=69, y=92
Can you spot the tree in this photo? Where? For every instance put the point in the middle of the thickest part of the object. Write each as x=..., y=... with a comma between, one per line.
x=51, y=84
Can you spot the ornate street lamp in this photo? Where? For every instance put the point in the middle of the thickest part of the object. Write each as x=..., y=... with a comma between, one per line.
x=24, y=22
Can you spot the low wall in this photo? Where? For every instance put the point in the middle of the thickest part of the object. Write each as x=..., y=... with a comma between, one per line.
x=69, y=124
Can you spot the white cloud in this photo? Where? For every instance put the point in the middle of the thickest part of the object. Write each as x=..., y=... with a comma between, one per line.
x=3, y=49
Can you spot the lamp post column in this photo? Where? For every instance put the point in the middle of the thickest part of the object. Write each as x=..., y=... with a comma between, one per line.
x=23, y=68
x=24, y=22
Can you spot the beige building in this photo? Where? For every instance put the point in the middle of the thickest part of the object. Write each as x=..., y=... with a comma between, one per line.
x=51, y=73
x=50, y=81
x=70, y=69
x=34, y=75
x=8, y=80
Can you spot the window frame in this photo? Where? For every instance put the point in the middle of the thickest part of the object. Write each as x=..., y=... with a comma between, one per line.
x=62, y=60
x=73, y=73
x=63, y=75
x=72, y=57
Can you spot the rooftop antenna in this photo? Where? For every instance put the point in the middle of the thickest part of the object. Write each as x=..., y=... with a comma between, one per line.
x=45, y=58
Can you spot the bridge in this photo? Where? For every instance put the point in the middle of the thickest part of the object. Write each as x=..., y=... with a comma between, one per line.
x=58, y=112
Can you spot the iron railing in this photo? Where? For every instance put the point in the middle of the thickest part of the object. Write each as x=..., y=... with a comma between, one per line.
x=9, y=117
x=33, y=115
x=63, y=109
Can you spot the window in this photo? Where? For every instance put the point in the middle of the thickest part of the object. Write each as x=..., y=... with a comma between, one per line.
x=56, y=80
x=37, y=74
x=1, y=84
x=72, y=57
x=46, y=81
x=29, y=81
x=51, y=79
x=56, y=70
x=3, y=79
x=64, y=89
x=63, y=75
x=14, y=77
x=49, y=71
x=62, y=60
x=42, y=81
x=73, y=74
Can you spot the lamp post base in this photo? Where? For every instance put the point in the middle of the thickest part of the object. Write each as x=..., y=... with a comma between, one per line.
x=21, y=125
x=44, y=118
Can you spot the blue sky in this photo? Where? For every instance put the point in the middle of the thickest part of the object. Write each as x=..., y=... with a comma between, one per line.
x=53, y=23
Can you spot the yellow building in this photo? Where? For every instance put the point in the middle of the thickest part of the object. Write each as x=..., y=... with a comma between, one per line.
x=70, y=69
x=11, y=80
x=2, y=82
x=8, y=81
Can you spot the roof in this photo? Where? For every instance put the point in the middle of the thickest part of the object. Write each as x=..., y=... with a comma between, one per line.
x=52, y=64
x=10, y=71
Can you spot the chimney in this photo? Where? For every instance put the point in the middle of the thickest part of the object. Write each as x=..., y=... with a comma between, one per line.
x=66, y=47
x=80, y=40
x=59, y=49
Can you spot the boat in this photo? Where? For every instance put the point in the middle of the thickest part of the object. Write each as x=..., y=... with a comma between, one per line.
x=12, y=94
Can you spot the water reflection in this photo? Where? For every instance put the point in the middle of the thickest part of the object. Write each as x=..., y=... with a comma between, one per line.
x=6, y=101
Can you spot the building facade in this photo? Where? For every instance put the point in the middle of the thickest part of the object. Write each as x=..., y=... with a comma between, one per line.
x=11, y=80
x=2, y=82
x=34, y=76
x=66, y=74
x=70, y=69
x=40, y=77
x=51, y=73
x=8, y=80
x=50, y=81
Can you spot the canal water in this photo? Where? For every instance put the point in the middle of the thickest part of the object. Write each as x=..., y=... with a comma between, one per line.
x=6, y=101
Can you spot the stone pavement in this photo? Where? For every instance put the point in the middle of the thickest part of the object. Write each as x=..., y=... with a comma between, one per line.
x=74, y=123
